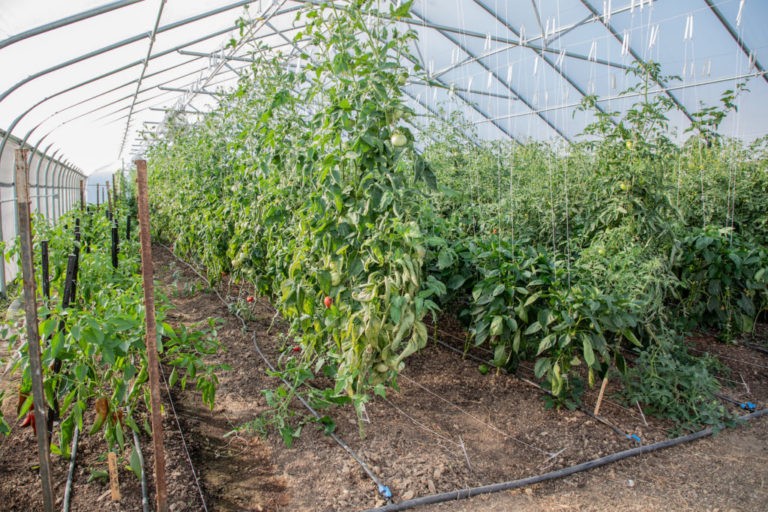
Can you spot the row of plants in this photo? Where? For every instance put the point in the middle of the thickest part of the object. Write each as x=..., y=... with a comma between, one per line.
x=307, y=183
x=613, y=249
x=93, y=348
x=303, y=183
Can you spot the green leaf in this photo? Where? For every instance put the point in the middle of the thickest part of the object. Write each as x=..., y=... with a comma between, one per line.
x=403, y=10
x=546, y=343
x=533, y=298
x=541, y=367
x=445, y=258
x=702, y=242
x=533, y=328
x=134, y=463
x=497, y=325
x=589, y=355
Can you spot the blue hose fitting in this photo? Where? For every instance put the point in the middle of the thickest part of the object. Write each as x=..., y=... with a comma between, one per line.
x=635, y=437
x=384, y=491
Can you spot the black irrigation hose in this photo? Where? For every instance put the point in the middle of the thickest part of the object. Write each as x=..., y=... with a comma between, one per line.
x=71, y=473
x=144, y=491
x=560, y=473
x=381, y=487
x=756, y=347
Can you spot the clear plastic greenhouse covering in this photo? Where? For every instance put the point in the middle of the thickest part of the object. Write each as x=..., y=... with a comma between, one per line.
x=86, y=79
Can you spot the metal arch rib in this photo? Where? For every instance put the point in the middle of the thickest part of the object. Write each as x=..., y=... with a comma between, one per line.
x=99, y=77
x=143, y=71
x=164, y=70
x=736, y=37
x=437, y=114
x=63, y=22
x=502, y=81
x=635, y=56
x=543, y=56
x=132, y=64
x=120, y=44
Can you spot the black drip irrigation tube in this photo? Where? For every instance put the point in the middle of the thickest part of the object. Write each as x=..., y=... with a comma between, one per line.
x=71, y=472
x=383, y=489
x=552, y=475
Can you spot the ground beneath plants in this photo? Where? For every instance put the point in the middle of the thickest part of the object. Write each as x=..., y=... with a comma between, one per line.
x=448, y=427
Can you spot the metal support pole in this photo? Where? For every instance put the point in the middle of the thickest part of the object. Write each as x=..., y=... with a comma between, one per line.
x=47, y=188
x=37, y=176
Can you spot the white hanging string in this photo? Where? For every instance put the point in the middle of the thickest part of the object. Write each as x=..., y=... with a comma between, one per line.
x=740, y=13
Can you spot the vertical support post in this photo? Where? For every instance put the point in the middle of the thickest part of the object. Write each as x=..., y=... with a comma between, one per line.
x=45, y=269
x=98, y=191
x=2, y=253
x=33, y=335
x=115, y=244
x=109, y=200
x=82, y=194
x=76, y=253
x=147, y=272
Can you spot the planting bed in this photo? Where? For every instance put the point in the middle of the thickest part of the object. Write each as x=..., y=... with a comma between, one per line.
x=448, y=427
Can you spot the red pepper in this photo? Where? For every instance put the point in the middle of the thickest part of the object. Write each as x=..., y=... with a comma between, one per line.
x=102, y=409
x=30, y=420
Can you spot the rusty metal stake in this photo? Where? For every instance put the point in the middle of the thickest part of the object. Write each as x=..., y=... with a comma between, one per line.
x=33, y=335
x=147, y=272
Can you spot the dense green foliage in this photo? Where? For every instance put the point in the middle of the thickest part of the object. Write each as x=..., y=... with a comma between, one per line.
x=305, y=182
x=93, y=352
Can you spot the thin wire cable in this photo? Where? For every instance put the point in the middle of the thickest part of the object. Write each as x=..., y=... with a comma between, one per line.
x=487, y=425
x=420, y=424
x=183, y=441
x=382, y=488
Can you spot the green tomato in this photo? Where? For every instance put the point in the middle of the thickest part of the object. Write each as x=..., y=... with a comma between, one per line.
x=483, y=368
x=398, y=139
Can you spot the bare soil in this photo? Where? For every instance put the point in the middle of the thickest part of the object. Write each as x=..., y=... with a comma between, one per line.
x=447, y=427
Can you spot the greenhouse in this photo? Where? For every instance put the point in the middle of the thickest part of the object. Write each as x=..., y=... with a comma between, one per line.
x=325, y=255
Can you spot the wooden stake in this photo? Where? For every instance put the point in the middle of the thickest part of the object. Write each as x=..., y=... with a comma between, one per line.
x=600, y=395
x=33, y=335
x=147, y=272
x=114, y=482
x=82, y=195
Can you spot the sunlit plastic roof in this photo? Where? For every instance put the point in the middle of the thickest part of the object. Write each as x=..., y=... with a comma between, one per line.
x=85, y=78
